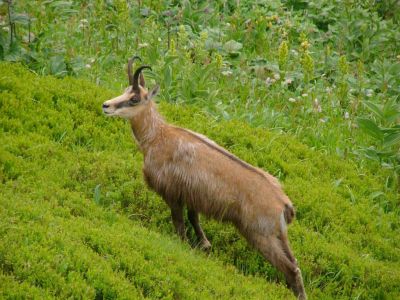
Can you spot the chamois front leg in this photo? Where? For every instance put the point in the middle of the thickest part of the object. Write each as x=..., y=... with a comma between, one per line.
x=177, y=219
x=194, y=220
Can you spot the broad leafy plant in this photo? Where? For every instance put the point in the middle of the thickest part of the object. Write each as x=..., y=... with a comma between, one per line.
x=384, y=129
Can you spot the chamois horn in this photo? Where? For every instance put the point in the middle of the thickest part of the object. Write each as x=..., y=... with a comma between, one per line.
x=135, y=83
x=130, y=62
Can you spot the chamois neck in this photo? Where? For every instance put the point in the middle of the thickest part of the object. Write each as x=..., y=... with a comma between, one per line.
x=147, y=125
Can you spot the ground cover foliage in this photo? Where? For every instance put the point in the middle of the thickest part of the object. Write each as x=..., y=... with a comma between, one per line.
x=57, y=241
x=325, y=71
x=78, y=221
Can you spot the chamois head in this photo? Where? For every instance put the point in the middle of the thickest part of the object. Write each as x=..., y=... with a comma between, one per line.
x=135, y=97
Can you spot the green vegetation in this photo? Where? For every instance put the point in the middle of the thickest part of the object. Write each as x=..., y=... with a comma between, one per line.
x=308, y=90
x=71, y=180
x=56, y=242
x=304, y=67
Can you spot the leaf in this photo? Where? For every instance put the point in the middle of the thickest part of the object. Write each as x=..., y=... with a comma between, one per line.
x=391, y=139
x=167, y=76
x=14, y=52
x=20, y=19
x=375, y=195
x=391, y=111
x=97, y=194
x=58, y=66
x=395, y=128
x=145, y=12
x=337, y=182
x=110, y=26
x=232, y=47
x=210, y=44
x=370, y=128
x=374, y=108
x=371, y=153
x=77, y=64
x=60, y=4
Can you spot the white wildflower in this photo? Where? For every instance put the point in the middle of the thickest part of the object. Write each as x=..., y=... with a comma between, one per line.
x=304, y=95
x=368, y=92
x=268, y=81
x=83, y=23
x=328, y=90
x=317, y=106
x=288, y=81
x=143, y=45
x=88, y=66
x=277, y=76
x=346, y=115
x=226, y=73
x=292, y=100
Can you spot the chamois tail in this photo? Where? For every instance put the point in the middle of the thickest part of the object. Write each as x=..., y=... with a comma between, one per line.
x=288, y=213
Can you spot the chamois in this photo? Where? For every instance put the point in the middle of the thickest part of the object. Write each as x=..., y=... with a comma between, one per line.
x=188, y=169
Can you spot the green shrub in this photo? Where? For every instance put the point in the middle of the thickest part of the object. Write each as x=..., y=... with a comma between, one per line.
x=76, y=219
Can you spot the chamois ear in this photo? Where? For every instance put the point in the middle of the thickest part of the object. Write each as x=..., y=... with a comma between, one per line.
x=153, y=92
x=141, y=80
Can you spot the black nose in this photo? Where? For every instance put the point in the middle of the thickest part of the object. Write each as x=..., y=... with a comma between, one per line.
x=106, y=105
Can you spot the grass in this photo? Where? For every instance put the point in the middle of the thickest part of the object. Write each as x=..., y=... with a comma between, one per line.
x=308, y=90
x=78, y=221
x=304, y=67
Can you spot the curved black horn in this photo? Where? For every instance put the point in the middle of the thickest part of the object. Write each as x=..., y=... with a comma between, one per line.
x=135, y=83
x=130, y=61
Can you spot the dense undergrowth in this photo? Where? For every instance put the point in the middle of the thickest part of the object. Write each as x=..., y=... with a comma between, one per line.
x=325, y=71
x=77, y=219
x=55, y=241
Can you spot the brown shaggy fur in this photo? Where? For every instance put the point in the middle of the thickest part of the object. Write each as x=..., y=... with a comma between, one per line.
x=188, y=169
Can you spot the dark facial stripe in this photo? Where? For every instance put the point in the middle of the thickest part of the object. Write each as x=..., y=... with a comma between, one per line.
x=122, y=104
x=224, y=152
x=127, y=103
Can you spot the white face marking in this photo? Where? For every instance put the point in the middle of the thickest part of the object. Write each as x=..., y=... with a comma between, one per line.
x=110, y=107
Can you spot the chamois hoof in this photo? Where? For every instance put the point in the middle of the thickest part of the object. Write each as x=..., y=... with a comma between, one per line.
x=302, y=297
x=300, y=286
x=205, y=245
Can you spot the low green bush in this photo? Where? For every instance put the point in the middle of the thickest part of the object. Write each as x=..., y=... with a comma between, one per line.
x=78, y=221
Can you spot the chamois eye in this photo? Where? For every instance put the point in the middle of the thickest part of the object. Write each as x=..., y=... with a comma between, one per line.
x=134, y=100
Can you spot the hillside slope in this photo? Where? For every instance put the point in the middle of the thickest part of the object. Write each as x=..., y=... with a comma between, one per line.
x=73, y=206
x=56, y=242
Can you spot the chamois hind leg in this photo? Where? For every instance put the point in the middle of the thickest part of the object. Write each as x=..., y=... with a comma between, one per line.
x=284, y=241
x=274, y=251
x=177, y=219
x=194, y=220
x=286, y=248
